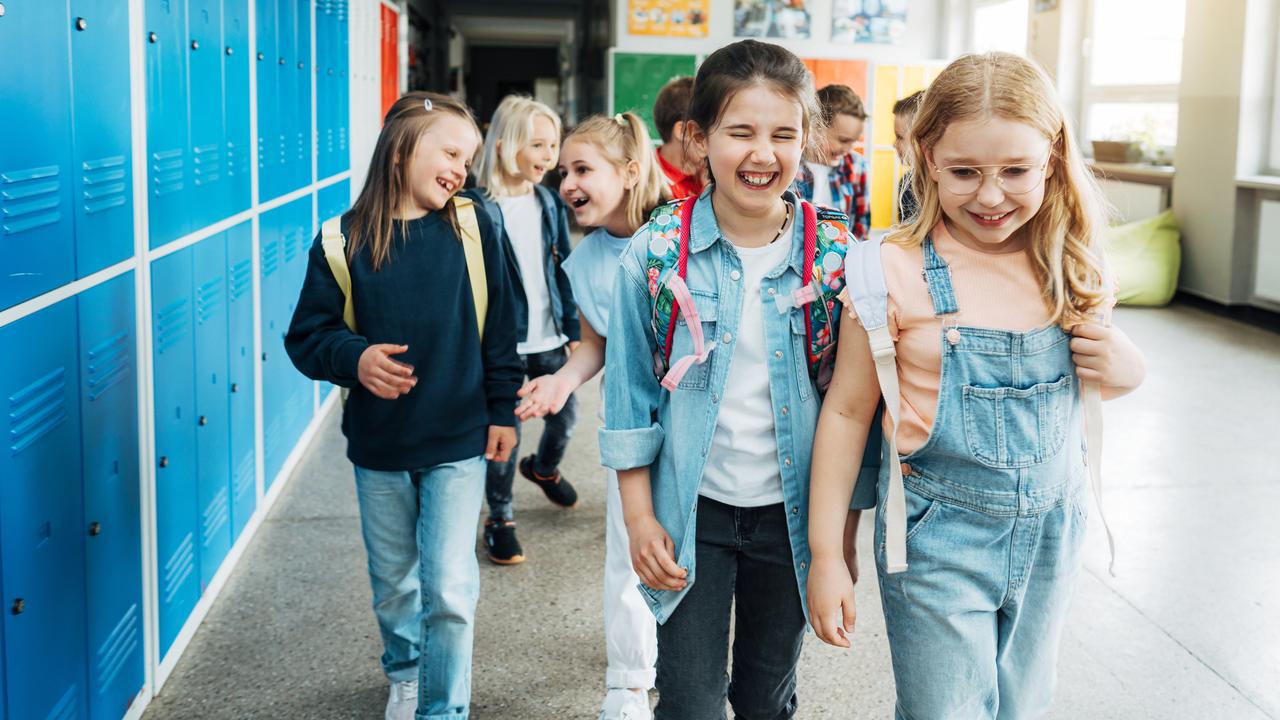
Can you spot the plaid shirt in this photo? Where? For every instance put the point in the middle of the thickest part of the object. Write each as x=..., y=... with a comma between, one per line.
x=848, y=191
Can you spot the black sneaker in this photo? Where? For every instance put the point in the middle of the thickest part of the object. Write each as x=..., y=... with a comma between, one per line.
x=501, y=544
x=556, y=488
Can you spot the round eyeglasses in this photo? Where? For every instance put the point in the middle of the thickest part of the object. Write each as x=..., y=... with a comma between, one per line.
x=1012, y=179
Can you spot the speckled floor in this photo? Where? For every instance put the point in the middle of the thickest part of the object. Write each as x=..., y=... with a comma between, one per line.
x=1188, y=628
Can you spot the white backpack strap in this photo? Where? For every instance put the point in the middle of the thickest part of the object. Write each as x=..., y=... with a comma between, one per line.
x=1091, y=407
x=870, y=298
x=334, y=245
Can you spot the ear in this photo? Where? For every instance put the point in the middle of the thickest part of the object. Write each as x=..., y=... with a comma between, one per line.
x=695, y=135
x=497, y=147
x=930, y=165
x=631, y=175
x=679, y=130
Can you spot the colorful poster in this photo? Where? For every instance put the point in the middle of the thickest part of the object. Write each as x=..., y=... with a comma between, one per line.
x=673, y=18
x=868, y=21
x=771, y=18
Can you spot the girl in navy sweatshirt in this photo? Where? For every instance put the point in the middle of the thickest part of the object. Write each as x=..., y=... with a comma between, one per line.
x=433, y=388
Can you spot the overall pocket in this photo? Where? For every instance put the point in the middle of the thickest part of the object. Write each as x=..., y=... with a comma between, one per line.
x=682, y=341
x=1008, y=427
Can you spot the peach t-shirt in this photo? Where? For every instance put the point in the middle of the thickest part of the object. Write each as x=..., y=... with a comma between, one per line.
x=993, y=290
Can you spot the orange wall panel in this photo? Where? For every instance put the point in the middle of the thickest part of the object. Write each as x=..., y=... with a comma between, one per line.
x=390, y=43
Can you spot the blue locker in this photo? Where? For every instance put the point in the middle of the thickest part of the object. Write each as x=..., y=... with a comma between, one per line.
x=324, y=88
x=236, y=69
x=270, y=64
x=333, y=200
x=286, y=38
x=42, y=517
x=168, y=170
x=343, y=159
x=37, y=248
x=102, y=149
x=296, y=242
x=302, y=148
x=244, y=489
x=113, y=541
x=173, y=363
x=275, y=364
x=213, y=405
x=209, y=197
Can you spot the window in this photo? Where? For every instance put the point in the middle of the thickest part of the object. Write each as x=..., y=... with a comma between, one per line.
x=1274, y=141
x=1000, y=25
x=1134, y=64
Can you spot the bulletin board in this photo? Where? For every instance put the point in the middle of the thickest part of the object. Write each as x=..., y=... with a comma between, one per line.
x=636, y=78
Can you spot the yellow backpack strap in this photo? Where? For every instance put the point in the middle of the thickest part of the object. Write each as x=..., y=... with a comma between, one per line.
x=465, y=210
x=335, y=251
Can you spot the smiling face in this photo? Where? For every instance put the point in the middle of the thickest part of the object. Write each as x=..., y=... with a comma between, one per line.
x=440, y=161
x=593, y=187
x=538, y=154
x=754, y=149
x=988, y=218
x=842, y=135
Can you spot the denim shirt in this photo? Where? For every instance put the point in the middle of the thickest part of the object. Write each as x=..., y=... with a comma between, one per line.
x=670, y=433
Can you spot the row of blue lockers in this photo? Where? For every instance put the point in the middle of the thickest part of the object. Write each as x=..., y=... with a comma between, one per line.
x=71, y=556
x=66, y=206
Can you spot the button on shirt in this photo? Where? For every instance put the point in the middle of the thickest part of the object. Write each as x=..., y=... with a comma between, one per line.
x=522, y=216
x=742, y=466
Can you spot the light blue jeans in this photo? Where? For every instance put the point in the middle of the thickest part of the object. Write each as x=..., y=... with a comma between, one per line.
x=419, y=532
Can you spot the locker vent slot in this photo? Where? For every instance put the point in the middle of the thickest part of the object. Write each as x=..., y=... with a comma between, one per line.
x=30, y=198
x=208, y=164
x=167, y=170
x=244, y=478
x=209, y=298
x=171, y=324
x=270, y=257
x=178, y=568
x=241, y=279
x=108, y=363
x=291, y=244
x=216, y=515
x=104, y=185
x=116, y=649
x=36, y=410
x=67, y=707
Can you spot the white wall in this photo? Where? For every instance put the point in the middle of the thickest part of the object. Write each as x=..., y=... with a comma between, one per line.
x=925, y=38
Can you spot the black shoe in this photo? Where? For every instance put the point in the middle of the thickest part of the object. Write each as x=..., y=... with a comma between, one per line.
x=501, y=544
x=556, y=488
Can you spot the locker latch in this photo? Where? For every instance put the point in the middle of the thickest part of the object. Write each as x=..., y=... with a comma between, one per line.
x=164, y=461
x=81, y=24
x=95, y=529
x=203, y=421
x=18, y=606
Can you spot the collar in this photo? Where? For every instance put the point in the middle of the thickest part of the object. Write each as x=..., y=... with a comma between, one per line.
x=671, y=171
x=706, y=230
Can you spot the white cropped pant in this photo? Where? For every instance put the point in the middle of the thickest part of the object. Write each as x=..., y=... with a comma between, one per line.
x=630, y=631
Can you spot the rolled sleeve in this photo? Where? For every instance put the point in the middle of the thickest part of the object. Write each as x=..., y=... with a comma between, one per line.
x=627, y=449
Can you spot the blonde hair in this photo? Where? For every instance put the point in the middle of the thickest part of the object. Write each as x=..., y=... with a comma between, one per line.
x=512, y=125
x=1064, y=233
x=622, y=140
x=388, y=186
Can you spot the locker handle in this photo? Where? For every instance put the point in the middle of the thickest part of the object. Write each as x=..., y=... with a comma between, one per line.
x=151, y=37
x=203, y=421
x=95, y=529
x=235, y=387
x=281, y=61
x=261, y=56
x=299, y=66
x=164, y=461
x=81, y=24
x=195, y=44
x=18, y=606
x=264, y=357
x=1, y=9
x=229, y=50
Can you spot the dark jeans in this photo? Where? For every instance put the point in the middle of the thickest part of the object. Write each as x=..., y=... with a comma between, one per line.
x=555, y=438
x=743, y=558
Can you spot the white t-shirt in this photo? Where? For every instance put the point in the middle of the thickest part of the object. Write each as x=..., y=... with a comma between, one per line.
x=591, y=268
x=821, y=184
x=522, y=218
x=742, y=467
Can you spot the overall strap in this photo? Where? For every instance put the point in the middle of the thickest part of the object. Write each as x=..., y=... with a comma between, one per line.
x=870, y=298
x=937, y=275
x=334, y=245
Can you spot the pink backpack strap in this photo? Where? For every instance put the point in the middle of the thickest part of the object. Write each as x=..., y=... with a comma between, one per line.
x=684, y=304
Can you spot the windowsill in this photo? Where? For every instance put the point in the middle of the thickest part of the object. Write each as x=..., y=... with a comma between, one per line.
x=1134, y=172
x=1259, y=182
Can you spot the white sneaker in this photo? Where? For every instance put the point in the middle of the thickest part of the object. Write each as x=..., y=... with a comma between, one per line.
x=621, y=704
x=402, y=702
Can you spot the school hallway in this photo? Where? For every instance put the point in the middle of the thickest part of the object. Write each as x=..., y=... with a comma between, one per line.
x=1189, y=626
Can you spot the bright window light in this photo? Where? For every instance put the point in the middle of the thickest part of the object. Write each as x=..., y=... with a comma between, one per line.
x=1137, y=42
x=1001, y=26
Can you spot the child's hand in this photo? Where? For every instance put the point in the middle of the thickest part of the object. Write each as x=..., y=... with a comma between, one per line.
x=543, y=396
x=501, y=440
x=1106, y=356
x=653, y=555
x=382, y=376
x=831, y=606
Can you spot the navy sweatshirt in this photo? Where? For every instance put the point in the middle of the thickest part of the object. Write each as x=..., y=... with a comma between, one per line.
x=421, y=297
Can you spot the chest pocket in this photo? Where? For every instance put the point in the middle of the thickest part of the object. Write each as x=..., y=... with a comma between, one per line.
x=799, y=354
x=1009, y=427
x=682, y=342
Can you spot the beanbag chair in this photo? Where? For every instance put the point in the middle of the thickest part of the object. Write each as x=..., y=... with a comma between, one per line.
x=1145, y=257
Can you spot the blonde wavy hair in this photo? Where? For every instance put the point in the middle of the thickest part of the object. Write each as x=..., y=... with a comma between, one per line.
x=512, y=125
x=1064, y=233
x=624, y=139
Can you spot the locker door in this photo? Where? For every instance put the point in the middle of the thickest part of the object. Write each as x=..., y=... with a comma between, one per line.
x=240, y=374
x=344, y=86
x=268, y=62
x=236, y=69
x=41, y=517
x=287, y=37
x=36, y=218
x=303, y=142
x=173, y=360
x=213, y=405
x=209, y=199
x=168, y=169
x=300, y=405
x=274, y=360
x=113, y=541
x=324, y=87
x=102, y=147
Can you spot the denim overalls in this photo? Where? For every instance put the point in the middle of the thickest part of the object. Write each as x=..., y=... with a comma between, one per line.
x=996, y=519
